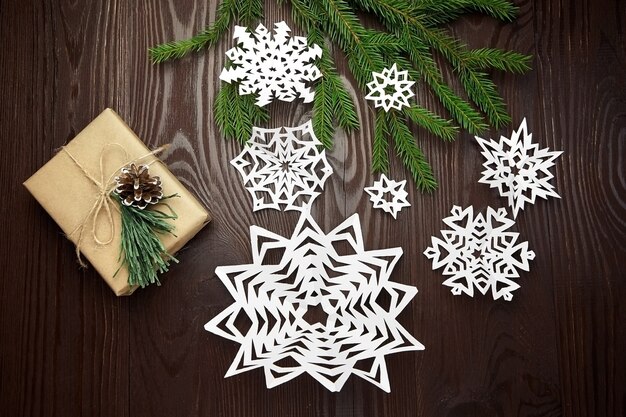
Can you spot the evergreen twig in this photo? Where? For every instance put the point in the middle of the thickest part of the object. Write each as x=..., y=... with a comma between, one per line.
x=414, y=34
x=226, y=12
x=235, y=115
x=410, y=153
x=380, y=157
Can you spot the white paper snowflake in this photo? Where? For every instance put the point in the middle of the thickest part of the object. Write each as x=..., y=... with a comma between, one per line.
x=518, y=168
x=277, y=66
x=388, y=195
x=390, y=89
x=282, y=168
x=326, y=307
x=477, y=251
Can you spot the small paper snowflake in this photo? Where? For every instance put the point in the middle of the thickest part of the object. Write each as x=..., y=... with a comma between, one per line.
x=390, y=89
x=319, y=311
x=283, y=168
x=518, y=168
x=388, y=195
x=277, y=66
x=478, y=252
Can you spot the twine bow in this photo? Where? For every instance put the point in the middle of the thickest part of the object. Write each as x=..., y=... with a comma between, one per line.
x=104, y=199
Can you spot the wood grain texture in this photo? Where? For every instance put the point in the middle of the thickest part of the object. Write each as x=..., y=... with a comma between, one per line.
x=68, y=347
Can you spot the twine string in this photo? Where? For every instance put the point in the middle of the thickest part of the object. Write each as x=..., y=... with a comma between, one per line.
x=103, y=200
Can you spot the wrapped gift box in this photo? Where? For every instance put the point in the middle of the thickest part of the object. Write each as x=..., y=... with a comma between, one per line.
x=63, y=187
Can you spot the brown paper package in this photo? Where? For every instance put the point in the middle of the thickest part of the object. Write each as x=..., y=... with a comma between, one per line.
x=68, y=195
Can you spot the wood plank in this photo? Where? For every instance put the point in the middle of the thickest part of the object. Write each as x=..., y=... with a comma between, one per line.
x=69, y=347
x=580, y=62
x=64, y=338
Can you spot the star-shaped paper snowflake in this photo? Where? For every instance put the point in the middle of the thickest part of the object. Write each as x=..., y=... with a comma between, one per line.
x=283, y=168
x=478, y=252
x=388, y=195
x=277, y=66
x=518, y=168
x=326, y=307
x=390, y=89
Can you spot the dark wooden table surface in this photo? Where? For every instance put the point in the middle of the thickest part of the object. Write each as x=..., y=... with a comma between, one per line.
x=68, y=347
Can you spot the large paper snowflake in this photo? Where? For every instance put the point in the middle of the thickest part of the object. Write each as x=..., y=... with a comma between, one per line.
x=283, y=168
x=388, y=195
x=478, y=252
x=326, y=307
x=390, y=89
x=518, y=168
x=277, y=66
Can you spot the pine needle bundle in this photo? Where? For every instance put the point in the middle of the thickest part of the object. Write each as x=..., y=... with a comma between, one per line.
x=142, y=251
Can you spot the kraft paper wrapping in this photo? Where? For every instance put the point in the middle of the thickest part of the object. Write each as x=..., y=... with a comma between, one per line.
x=68, y=195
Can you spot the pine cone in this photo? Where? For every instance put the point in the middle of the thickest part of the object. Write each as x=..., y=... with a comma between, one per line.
x=137, y=188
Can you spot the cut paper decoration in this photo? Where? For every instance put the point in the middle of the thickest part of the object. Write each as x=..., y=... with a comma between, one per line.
x=518, y=168
x=478, y=252
x=325, y=307
x=282, y=168
x=388, y=195
x=274, y=66
x=390, y=89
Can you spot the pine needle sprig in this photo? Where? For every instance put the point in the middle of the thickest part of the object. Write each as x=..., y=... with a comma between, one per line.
x=226, y=13
x=431, y=122
x=479, y=88
x=142, y=250
x=380, y=153
x=305, y=17
x=491, y=58
x=332, y=100
x=323, y=113
x=482, y=91
x=459, y=109
x=410, y=153
x=437, y=12
x=235, y=115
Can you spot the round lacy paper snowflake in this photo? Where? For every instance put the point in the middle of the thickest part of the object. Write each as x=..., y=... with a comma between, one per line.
x=282, y=168
x=477, y=251
x=518, y=168
x=317, y=311
x=390, y=89
x=388, y=195
x=277, y=66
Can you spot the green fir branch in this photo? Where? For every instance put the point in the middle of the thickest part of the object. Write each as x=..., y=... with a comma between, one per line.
x=459, y=109
x=344, y=107
x=306, y=18
x=323, y=112
x=438, y=12
x=380, y=153
x=249, y=11
x=417, y=39
x=332, y=100
x=226, y=13
x=411, y=155
x=488, y=58
x=479, y=88
x=483, y=91
x=236, y=115
x=431, y=122
x=413, y=35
